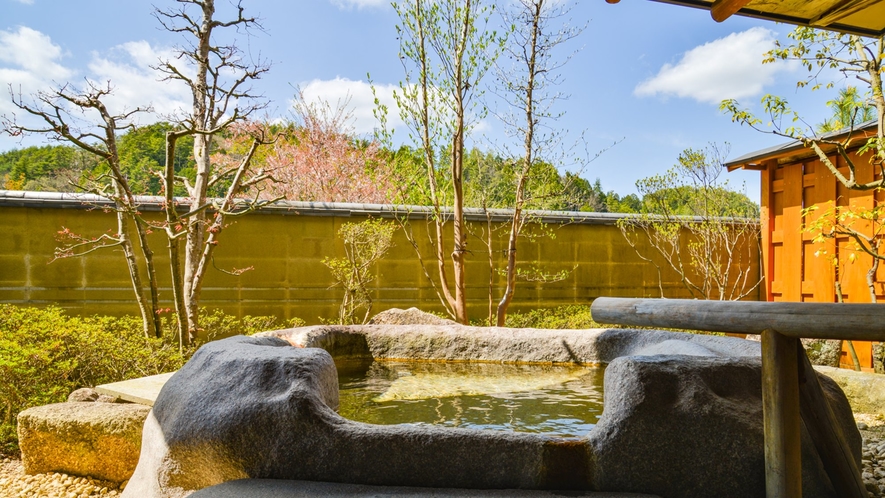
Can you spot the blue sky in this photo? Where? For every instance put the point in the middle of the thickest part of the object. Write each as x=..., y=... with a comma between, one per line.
x=648, y=74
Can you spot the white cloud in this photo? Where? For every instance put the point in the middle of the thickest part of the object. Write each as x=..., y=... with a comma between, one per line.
x=359, y=4
x=730, y=67
x=26, y=2
x=33, y=55
x=362, y=102
x=135, y=84
x=29, y=62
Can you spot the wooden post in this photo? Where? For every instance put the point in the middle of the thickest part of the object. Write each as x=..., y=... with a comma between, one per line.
x=831, y=444
x=780, y=409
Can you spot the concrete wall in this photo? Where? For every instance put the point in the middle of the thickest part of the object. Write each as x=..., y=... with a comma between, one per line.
x=286, y=244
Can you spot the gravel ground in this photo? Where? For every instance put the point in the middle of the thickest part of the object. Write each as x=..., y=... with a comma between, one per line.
x=15, y=484
x=872, y=428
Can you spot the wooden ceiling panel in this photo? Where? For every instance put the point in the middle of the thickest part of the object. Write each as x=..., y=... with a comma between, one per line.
x=863, y=17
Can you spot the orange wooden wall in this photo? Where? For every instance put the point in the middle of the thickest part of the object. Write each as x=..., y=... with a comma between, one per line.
x=795, y=273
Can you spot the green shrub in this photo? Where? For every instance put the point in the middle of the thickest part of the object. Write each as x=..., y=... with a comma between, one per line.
x=219, y=325
x=574, y=316
x=45, y=354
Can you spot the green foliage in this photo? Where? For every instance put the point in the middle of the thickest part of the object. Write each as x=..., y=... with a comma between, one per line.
x=574, y=316
x=143, y=153
x=364, y=244
x=53, y=168
x=823, y=52
x=490, y=182
x=48, y=168
x=692, y=188
x=219, y=325
x=849, y=110
x=45, y=354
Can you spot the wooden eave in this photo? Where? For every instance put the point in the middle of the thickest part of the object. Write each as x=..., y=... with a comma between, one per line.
x=795, y=151
x=859, y=17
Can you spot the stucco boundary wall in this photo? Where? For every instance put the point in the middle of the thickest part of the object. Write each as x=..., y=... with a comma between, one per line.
x=285, y=242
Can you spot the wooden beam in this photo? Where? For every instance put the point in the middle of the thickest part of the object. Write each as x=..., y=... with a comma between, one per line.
x=723, y=9
x=841, y=11
x=780, y=414
x=826, y=433
x=850, y=321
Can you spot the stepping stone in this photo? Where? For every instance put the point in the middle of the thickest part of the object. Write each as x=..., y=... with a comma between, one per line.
x=143, y=390
x=88, y=439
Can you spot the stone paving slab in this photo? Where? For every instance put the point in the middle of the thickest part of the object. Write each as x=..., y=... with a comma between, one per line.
x=272, y=488
x=143, y=390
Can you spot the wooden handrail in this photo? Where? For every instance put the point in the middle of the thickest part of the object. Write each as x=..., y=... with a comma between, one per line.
x=846, y=321
x=790, y=388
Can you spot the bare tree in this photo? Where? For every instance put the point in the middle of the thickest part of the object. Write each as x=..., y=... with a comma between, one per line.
x=218, y=77
x=54, y=111
x=702, y=230
x=446, y=50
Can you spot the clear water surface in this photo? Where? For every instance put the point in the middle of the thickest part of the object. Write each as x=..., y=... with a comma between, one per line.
x=553, y=400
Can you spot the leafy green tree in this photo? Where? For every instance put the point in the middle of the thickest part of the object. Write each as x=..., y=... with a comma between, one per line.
x=630, y=203
x=46, y=168
x=364, y=244
x=446, y=50
x=819, y=52
x=143, y=153
x=849, y=110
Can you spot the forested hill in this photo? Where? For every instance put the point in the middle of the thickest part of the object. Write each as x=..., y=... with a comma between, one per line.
x=343, y=169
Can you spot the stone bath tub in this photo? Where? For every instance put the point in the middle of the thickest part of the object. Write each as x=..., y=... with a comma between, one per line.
x=682, y=417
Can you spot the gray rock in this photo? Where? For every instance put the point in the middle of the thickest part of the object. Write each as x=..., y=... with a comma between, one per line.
x=866, y=390
x=411, y=316
x=692, y=426
x=254, y=407
x=823, y=352
x=461, y=343
x=674, y=426
x=83, y=395
x=98, y=440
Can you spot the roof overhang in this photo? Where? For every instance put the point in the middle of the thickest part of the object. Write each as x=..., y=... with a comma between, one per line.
x=795, y=150
x=860, y=17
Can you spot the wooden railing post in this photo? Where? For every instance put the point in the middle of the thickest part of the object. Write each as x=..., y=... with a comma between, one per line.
x=784, y=363
x=780, y=409
x=826, y=433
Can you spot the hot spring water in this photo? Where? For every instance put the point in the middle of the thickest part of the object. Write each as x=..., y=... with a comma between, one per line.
x=554, y=400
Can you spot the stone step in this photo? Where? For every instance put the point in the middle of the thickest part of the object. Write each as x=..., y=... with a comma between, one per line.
x=143, y=390
x=272, y=488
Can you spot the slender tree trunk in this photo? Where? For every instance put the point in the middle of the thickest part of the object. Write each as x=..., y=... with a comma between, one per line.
x=172, y=224
x=148, y=255
x=871, y=274
x=202, y=118
x=460, y=231
x=491, y=254
x=429, y=161
x=147, y=321
x=528, y=159
x=194, y=244
x=853, y=352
